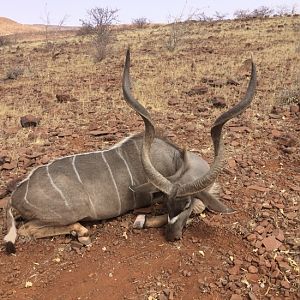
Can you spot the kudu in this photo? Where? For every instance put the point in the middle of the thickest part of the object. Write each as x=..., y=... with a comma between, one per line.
x=137, y=172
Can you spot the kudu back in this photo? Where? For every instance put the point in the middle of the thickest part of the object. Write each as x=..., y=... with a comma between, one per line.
x=133, y=173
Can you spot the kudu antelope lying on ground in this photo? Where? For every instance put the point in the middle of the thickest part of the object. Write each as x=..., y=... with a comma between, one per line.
x=137, y=172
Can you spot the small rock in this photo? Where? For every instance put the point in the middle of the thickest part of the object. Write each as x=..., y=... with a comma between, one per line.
x=212, y=285
x=276, y=133
x=232, y=82
x=253, y=270
x=75, y=245
x=271, y=243
x=255, y=287
x=186, y=273
x=162, y=297
x=279, y=258
x=266, y=205
x=200, y=90
x=239, y=129
x=218, y=102
x=3, y=192
x=279, y=235
x=29, y=121
x=251, y=237
x=284, y=266
x=190, y=127
x=99, y=132
x=63, y=98
x=252, y=296
x=45, y=160
x=258, y=188
x=2, y=159
x=294, y=108
x=287, y=140
x=236, y=297
x=252, y=277
x=213, y=82
x=234, y=270
x=232, y=286
x=3, y=203
x=285, y=284
x=273, y=116
x=260, y=229
x=9, y=166
x=289, y=150
x=275, y=273
x=231, y=163
x=173, y=102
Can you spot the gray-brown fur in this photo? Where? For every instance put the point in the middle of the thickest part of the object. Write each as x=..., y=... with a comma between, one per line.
x=90, y=186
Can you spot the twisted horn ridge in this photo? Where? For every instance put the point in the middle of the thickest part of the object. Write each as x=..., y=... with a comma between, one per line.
x=217, y=137
x=158, y=180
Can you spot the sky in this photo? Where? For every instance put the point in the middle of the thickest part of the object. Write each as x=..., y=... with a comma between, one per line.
x=156, y=11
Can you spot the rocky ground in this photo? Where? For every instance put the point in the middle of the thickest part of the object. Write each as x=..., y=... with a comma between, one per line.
x=71, y=104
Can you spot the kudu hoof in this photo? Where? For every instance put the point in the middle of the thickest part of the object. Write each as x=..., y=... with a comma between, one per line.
x=85, y=240
x=139, y=222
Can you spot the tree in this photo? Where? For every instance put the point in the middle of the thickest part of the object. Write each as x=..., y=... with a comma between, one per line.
x=140, y=22
x=242, y=14
x=262, y=12
x=99, y=23
x=219, y=16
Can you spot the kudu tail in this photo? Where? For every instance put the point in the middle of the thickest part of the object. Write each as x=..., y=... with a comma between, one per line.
x=10, y=238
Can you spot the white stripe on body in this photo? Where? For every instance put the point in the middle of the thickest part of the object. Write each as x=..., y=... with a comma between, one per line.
x=56, y=188
x=118, y=150
x=136, y=146
x=113, y=180
x=35, y=207
x=79, y=179
x=75, y=170
x=119, y=144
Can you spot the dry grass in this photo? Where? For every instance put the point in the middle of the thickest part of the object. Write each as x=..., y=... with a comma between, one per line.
x=216, y=50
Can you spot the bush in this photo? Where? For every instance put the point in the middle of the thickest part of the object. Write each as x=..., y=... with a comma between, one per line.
x=219, y=16
x=14, y=73
x=242, y=14
x=289, y=96
x=99, y=24
x=175, y=35
x=4, y=41
x=140, y=22
x=262, y=12
x=85, y=29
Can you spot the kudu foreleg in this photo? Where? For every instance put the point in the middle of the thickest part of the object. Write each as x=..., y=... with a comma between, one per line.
x=143, y=221
x=38, y=230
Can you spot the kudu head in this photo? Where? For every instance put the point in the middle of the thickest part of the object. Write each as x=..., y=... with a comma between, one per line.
x=178, y=189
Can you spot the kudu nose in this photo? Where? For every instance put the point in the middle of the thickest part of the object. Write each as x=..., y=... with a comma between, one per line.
x=172, y=236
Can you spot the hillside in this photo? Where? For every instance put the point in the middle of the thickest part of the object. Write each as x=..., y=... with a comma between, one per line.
x=8, y=26
x=186, y=75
